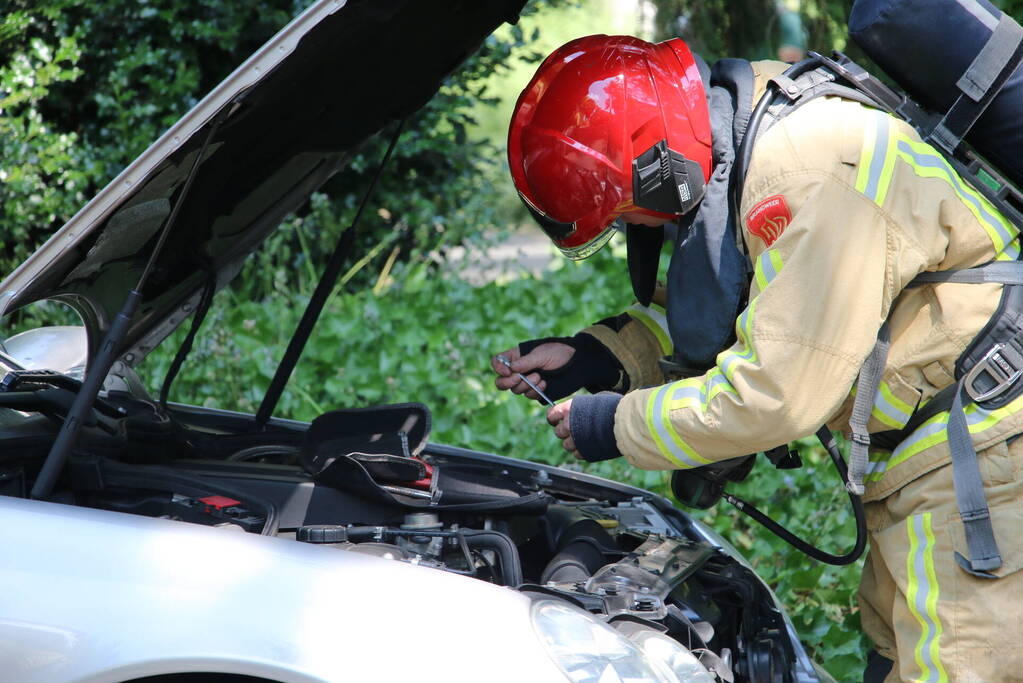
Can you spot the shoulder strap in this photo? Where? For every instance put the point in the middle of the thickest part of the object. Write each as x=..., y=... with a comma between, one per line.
x=981, y=83
x=867, y=385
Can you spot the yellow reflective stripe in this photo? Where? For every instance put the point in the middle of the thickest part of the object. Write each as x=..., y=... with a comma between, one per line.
x=728, y=360
x=877, y=465
x=889, y=409
x=930, y=433
x=894, y=400
x=922, y=598
x=696, y=392
x=669, y=443
x=934, y=432
x=769, y=264
x=767, y=268
x=716, y=383
x=653, y=318
x=926, y=162
x=879, y=151
x=877, y=160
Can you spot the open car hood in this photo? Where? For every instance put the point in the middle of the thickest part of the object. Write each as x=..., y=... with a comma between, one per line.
x=295, y=112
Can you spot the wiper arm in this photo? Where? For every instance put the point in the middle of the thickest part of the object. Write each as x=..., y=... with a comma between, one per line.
x=112, y=342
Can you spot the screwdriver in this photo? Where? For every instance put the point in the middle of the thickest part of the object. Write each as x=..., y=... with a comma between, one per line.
x=507, y=363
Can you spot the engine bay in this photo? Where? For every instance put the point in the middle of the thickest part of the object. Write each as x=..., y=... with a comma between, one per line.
x=367, y=481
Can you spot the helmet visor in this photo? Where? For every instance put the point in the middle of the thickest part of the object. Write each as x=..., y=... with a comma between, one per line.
x=562, y=233
x=587, y=249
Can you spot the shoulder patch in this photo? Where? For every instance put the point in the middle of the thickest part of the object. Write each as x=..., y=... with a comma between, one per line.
x=769, y=218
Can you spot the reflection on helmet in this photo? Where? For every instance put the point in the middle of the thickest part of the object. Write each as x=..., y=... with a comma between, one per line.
x=610, y=125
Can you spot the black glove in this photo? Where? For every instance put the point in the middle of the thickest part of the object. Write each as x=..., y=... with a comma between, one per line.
x=592, y=367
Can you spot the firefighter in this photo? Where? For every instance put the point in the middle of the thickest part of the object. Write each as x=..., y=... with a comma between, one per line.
x=841, y=207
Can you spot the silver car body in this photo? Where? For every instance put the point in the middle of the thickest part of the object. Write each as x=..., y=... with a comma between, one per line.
x=98, y=596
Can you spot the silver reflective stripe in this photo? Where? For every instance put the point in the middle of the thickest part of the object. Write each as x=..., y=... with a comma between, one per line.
x=932, y=432
x=938, y=162
x=922, y=598
x=685, y=391
x=712, y=383
x=877, y=467
x=878, y=158
x=663, y=431
x=768, y=266
x=889, y=413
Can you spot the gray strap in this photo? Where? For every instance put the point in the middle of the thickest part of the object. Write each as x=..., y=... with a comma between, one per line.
x=980, y=13
x=969, y=489
x=806, y=87
x=1003, y=272
x=867, y=384
x=992, y=58
x=980, y=84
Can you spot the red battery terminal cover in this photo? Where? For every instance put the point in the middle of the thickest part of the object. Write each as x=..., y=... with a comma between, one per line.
x=219, y=502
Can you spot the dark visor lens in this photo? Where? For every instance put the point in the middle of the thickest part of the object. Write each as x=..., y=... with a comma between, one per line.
x=556, y=230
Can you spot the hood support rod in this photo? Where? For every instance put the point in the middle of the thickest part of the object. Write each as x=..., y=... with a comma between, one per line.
x=319, y=298
x=112, y=341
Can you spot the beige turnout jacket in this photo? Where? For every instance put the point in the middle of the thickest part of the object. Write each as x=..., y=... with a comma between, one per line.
x=843, y=206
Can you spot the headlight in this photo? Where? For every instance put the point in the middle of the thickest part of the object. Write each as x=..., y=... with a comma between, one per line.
x=587, y=649
x=671, y=659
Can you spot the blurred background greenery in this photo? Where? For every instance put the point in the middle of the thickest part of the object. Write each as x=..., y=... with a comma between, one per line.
x=86, y=87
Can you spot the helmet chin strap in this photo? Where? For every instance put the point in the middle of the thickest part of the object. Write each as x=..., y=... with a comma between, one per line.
x=644, y=251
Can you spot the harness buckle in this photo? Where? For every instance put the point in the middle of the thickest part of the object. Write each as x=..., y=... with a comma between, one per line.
x=995, y=364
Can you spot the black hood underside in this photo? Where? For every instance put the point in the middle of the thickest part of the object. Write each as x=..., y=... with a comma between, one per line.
x=368, y=63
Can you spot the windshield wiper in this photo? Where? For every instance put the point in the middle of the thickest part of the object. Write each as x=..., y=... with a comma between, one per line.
x=113, y=340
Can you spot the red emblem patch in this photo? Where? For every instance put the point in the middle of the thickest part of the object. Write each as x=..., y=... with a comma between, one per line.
x=769, y=218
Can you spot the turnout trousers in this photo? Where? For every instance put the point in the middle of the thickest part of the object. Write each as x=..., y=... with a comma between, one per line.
x=935, y=621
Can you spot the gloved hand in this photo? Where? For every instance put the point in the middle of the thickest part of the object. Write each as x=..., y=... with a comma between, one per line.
x=560, y=366
x=585, y=425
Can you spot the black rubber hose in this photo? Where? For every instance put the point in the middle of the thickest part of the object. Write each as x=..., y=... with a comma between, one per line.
x=28, y=401
x=475, y=539
x=511, y=566
x=828, y=441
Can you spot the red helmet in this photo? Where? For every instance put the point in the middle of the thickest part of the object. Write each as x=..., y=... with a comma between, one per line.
x=610, y=125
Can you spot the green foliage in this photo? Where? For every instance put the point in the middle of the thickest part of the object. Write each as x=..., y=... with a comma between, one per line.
x=86, y=87
x=422, y=335
x=751, y=29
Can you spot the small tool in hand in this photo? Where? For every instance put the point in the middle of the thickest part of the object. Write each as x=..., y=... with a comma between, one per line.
x=507, y=363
